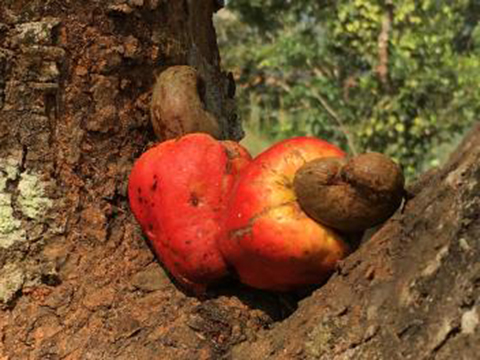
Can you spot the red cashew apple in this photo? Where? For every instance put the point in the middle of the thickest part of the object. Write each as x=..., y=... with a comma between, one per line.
x=269, y=240
x=177, y=192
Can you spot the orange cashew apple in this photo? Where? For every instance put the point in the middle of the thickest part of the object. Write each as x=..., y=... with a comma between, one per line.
x=268, y=239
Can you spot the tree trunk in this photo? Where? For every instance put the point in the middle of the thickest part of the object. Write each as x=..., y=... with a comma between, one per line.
x=77, y=278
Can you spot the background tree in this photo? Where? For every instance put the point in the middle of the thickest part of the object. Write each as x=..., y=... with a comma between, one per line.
x=399, y=78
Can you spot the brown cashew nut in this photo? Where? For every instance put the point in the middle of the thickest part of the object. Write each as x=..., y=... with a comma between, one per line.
x=177, y=109
x=350, y=195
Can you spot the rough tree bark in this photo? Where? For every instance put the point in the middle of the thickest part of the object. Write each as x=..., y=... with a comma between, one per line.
x=77, y=279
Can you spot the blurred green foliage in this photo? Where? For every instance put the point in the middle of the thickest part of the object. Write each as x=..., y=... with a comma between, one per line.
x=396, y=77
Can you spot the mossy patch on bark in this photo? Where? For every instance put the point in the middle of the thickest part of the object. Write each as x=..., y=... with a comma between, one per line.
x=32, y=200
x=27, y=195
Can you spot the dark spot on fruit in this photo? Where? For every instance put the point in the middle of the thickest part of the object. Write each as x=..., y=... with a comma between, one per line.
x=237, y=234
x=194, y=200
x=228, y=167
x=139, y=190
x=150, y=226
x=231, y=153
x=140, y=200
x=188, y=242
x=154, y=185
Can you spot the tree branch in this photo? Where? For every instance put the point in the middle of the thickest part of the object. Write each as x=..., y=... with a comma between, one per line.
x=383, y=39
x=316, y=95
x=337, y=119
